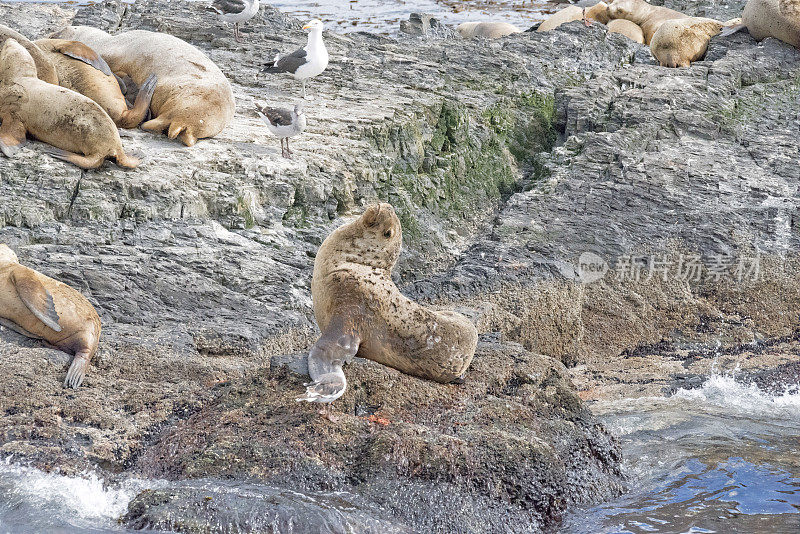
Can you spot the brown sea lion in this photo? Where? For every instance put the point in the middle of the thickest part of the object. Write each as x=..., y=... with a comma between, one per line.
x=489, y=30
x=78, y=127
x=629, y=29
x=680, y=42
x=597, y=12
x=361, y=312
x=81, y=69
x=647, y=16
x=42, y=308
x=192, y=100
x=44, y=67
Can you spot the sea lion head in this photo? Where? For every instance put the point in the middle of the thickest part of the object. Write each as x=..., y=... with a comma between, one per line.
x=622, y=9
x=15, y=61
x=7, y=256
x=374, y=239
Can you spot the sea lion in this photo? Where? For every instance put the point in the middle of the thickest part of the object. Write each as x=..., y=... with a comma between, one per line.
x=489, y=30
x=44, y=67
x=772, y=18
x=597, y=12
x=78, y=127
x=42, y=308
x=81, y=69
x=647, y=16
x=629, y=29
x=361, y=312
x=192, y=100
x=680, y=42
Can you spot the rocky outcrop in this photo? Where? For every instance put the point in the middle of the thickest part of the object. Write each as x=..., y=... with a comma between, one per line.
x=506, y=161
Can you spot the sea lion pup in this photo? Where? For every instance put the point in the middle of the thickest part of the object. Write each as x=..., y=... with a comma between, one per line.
x=647, y=16
x=680, y=42
x=192, y=99
x=597, y=12
x=44, y=67
x=361, y=312
x=771, y=18
x=42, y=308
x=489, y=30
x=81, y=69
x=629, y=29
x=78, y=127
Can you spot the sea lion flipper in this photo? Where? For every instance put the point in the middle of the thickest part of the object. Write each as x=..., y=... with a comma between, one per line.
x=81, y=52
x=84, y=162
x=730, y=30
x=77, y=371
x=36, y=297
x=12, y=135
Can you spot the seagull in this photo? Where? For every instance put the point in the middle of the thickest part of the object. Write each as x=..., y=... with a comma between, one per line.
x=283, y=123
x=306, y=62
x=235, y=11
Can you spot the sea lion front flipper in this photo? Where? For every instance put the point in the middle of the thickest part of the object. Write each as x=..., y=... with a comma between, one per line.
x=12, y=135
x=36, y=297
x=730, y=30
x=81, y=52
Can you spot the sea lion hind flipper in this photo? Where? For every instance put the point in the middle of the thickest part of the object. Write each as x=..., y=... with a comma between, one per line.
x=84, y=162
x=133, y=117
x=77, y=370
x=81, y=52
x=157, y=125
x=730, y=30
x=36, y=297
x=8, y=150
x=12, y=135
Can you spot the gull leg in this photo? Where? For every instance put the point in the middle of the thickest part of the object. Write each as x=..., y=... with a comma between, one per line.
x=304, y=89
x=287, y=148
x=237, y=35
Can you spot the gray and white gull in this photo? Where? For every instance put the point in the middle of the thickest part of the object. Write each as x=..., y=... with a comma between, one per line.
x=283, y=123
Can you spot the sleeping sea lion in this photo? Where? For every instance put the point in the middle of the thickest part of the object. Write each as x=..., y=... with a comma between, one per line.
x=680, y=42
x=629, y=29
x=193, y=99
x=489, y=30
x=42, y=308
x=597, y=12
x=647, y=16
x=81, y=132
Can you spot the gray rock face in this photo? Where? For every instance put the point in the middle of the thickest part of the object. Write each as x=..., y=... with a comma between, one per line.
x=506, y=160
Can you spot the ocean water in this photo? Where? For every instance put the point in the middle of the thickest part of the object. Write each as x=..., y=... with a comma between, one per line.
x=384, y=16
x=723, y=458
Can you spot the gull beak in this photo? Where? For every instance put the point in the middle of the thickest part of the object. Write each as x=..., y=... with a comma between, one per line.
x=307, y=27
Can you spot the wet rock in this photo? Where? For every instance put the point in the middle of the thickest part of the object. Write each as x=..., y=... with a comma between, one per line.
x=507, y=451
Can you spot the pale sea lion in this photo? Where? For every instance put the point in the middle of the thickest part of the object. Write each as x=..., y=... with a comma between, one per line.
x=44, y=67
x=680, y=42
x=192, y=99
x=647, y=16
x=773, y=18
x=629, y=29
x=597, y=12
x=489, y=30
x=42, y=308
x=81, y=69
x=81, y=131
x=361, y=312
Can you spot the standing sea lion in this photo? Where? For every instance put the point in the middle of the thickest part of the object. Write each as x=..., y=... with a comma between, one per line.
x=629, y=29
x=193, y=99
x=490, y=30
x=81, y=69
x=361, y=312
x=42, y=308
x=647, y=16
x=44, y=67
x=680, y=42
x=82, y=132
x=598, y=12
x=771, y=18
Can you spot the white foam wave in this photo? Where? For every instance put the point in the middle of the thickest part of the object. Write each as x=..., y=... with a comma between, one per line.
x=725, y=392
x=86, y=496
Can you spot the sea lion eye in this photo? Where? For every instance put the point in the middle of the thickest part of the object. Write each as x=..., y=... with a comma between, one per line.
x=387, y=233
